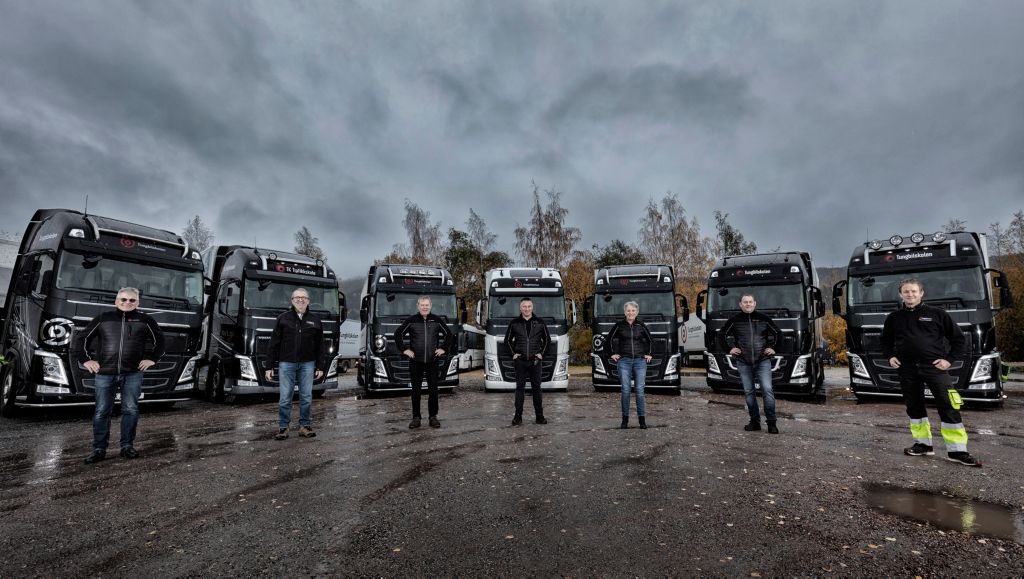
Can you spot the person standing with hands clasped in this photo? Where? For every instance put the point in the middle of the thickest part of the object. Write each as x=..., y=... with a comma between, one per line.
x=296, y=351
x=751, y=337
x=920, y=340
x=631, y=343
x=528, y=338
x=423, y=338
x=113, y=348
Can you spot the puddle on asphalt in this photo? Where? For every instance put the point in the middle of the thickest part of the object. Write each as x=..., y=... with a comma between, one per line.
x=947, y=512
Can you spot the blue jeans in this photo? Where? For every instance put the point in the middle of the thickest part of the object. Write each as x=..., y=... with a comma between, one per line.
x=764, y=377
x=633, y=370
x=290, y=374
x=106, y=385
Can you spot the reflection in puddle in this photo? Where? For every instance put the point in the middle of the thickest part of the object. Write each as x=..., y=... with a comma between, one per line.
x=970, y=516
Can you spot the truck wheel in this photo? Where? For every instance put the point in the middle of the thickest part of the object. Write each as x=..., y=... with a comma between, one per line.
x=360, y=377
x=7, y=406
x=343, y=367
x=216, y=385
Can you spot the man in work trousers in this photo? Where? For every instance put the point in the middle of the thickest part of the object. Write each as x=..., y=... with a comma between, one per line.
x=113, y=348
x=751, y=337
x=423, y=338
x=528, y=338
x=920, y=340
x=296, y=351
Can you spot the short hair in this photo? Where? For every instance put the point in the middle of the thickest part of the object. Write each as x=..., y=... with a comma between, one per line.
x=751, y=296
x=300, y=289
x=424, y=299
x=526, y=299
x=634, y=304
x=129, y=290
x=913, y=280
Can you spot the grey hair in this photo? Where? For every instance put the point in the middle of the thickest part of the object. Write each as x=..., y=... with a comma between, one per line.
x=300, y=289
x=129, y=290
x=424, y=298
x=634, y=304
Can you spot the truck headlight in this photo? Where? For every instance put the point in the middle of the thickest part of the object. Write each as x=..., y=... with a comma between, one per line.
x=491, y=367
x=598, y=364
x=453, y=366
x=379, y=369
x=857, y=365
x=379, y=343
x=983, y=367
x=673, y=364
x=332, y=370
x=561, y=368
x=53, y=368
x=712, y=364
x=800, y=367
x=245, y=368
x=189, y=371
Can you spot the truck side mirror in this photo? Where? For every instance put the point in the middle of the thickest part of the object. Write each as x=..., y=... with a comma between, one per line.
x=364, y=310
x=683, y=306
x=481, y=312
x=837, y=297
x=572, y=307
x=817, y=303
x=588, y=305
x=463, y=311
x=700, y=304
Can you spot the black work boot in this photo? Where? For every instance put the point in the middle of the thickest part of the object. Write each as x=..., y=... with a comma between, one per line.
x=643, y=422
x=772, y=429
x=625, y=422
x=517, y=420
x=95, y=456
x=415, y=423
x=752, y=426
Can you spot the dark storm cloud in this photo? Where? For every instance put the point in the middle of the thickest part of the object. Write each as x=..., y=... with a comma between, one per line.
x=659, y=94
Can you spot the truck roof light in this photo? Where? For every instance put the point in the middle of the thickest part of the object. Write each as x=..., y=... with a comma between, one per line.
x=938, y=237
x=195, y=255
x=917, y=237
x=494, y=284
x=667, y=279
x=382, y=280
x=794, y=269
x=600, y=282
x=79, y=233
x=272, y=255
x=875, y=244
x=895, y=240
x=558, y=284
x=714, y=274
x=450, y=282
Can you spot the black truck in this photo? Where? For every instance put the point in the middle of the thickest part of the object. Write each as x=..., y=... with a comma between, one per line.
x=653, y=288
x=68, y=270
x=249, y=288
x=954, y=270
x=785, y=286
x=389, y=296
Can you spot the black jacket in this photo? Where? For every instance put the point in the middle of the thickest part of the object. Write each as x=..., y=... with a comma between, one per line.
x=527, y=337
x=751, y=333
x=423, y=336
x=296, y=340
x=630, y=340
x=117, y=340
x=923, y=334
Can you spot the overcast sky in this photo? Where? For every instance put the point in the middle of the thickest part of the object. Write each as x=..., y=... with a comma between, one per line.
x=810, y=123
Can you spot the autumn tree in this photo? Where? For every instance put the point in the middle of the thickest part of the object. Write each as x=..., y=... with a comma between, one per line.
x=578, y=280
x=1011, y=261
x=730, y=241
x=833, y=326
x=308, y=245
x=617, y=252
x=469, y=262
x=198, y=235
x=666, y=236
x=546, y=241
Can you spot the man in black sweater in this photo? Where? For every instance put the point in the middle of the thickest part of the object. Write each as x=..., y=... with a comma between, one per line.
x=423, y=338
x=113, y=348
x=920, y=340
x=751, y=337
x=528, y=338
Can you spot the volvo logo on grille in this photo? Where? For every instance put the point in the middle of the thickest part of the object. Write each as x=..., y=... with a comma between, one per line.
x=57, y=332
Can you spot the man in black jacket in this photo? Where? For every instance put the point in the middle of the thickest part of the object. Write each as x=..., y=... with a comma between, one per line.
x=751, y=337
x=920, y=340
x=296, y=350
x=113, y=348
x=423, y=338
x=528, y=338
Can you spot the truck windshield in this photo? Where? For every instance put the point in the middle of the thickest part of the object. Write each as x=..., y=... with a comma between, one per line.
x=275, y=295
x=959, y=285
x=785, y=299
x=662, y=303
x=543, y=306
x=398, y=304
x=99, y=273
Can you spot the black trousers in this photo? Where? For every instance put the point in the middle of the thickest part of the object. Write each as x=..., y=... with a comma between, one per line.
x=527, y=368
x=914, y=378
x=417, y=370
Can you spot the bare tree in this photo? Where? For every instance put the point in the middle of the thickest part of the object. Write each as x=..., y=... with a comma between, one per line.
x=306, y=244
x=730, y=240
x=546, y=241
x=198, y=235
x=666, y=236
x=426, y=244
x=955, y=224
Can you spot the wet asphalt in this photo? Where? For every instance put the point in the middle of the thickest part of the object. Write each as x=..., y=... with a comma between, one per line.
x=213, y=494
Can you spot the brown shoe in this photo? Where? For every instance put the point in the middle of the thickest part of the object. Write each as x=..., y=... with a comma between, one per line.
x=306, y=432
x=281, y=434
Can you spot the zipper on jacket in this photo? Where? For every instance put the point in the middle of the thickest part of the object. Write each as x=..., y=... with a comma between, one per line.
x=120, y=345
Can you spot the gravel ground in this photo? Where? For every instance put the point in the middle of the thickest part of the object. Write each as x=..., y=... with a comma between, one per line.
x=213, y=494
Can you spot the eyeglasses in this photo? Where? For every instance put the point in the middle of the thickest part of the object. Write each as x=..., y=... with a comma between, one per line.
x=129, y=300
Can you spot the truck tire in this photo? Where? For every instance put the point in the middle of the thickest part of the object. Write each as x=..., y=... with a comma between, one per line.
x=216, y=385
x=7, y=400
x=343, y=367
